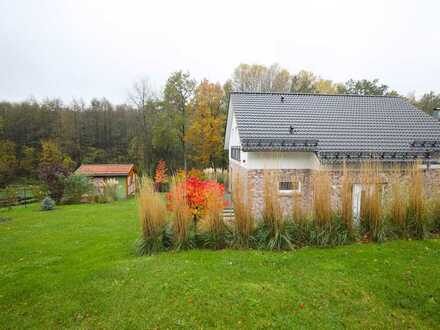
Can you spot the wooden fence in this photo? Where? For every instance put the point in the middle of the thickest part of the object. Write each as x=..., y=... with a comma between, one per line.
x=24, y=196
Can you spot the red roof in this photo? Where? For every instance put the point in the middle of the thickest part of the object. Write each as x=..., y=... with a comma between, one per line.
x=105, y=169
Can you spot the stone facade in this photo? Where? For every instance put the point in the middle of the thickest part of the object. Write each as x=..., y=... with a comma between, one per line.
x=254, y=186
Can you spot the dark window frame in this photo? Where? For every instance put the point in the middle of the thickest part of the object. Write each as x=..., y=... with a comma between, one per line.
x=236, y=153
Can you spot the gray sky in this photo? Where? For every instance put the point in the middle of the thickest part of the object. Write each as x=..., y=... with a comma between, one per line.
x=90, y=48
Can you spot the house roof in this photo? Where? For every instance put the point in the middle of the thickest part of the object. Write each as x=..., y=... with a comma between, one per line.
x=331, y=124
x=105, y=169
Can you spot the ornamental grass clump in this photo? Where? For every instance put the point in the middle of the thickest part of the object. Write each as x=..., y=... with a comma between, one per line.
x=244, y=223
x=108, y=191
x=434, y=212
x=153, y=218
x=273, y=233
x=183, y=233
x=347, y=199
x=321, y=198
x=321, y=232
x=328, y=228
x=300, y=226
x=371, y=217
x=397, y=202
x=213, y=230
x=416, y=211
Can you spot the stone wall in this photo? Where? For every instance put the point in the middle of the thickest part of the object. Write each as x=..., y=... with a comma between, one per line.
x=253, y=181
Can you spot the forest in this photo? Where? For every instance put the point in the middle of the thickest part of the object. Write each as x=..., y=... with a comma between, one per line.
x=183, y=124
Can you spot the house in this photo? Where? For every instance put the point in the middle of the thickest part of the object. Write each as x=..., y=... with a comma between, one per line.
x=294, y=135
x=125, y=174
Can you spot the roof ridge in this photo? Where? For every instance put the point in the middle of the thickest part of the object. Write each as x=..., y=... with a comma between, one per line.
x=313, y=94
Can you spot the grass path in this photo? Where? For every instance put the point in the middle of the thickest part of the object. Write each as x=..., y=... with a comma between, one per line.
x=75, y=268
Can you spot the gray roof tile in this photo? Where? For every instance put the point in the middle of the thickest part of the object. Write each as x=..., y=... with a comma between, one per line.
x=341, y=123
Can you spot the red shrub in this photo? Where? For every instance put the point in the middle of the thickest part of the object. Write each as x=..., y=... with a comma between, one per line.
x=197, y=192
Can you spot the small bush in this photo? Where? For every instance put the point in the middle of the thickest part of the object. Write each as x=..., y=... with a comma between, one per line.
x=152, y=216
x=76, y=186
x=47, y=204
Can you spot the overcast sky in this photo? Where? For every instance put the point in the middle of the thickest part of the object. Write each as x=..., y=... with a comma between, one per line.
x=84, y=49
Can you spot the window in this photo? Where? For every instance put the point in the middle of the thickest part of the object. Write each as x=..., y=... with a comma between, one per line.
x=235, y=153
x=286, y=186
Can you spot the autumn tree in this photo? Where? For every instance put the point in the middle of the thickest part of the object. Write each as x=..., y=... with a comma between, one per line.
x=8, y=161
x=304, y=82
x=52, y=169
x=206, y=132
x=259, y=78
x=28, y=161
x=178, y=94
x=161, y=174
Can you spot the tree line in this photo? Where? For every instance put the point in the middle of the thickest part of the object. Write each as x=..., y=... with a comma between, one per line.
x=184, y=125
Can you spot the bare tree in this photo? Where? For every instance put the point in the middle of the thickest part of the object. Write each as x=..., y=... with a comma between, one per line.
x=142, y=98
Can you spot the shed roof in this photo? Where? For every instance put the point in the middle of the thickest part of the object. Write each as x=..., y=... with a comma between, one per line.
x=105, y=169
x=332, y=123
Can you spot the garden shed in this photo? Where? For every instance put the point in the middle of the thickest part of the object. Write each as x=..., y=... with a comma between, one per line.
x=124, y=174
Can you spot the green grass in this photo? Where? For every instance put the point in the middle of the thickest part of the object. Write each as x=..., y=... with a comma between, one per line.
x=75, y=267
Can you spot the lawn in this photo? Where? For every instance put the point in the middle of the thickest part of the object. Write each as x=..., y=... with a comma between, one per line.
x=75, y=267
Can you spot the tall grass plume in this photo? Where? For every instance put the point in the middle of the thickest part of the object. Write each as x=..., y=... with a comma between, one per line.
x=244, y=223
x=371, y=217
x=182, y=218
x=416, y=212
x=152, y=216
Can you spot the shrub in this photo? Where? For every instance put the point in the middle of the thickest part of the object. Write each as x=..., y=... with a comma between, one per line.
x=195, y=192
x=52, y=170
x=152, y=216
x=38, y=192
x=416, y=212
x=47, y=204
x=244, y=223
x=75, y=187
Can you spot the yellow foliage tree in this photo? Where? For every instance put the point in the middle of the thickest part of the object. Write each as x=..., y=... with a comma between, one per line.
x=205, y=135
